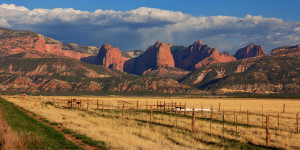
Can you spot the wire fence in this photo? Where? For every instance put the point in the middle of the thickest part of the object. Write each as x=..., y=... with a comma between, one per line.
x=213, y=121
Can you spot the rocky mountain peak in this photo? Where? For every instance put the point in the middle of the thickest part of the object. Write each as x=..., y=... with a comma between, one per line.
x=110, y=57
x=187, y=58
x=197, y=43
x=159, y=43
x=164, y=57
x=107, y=46
x=156, y=56
x=251, y=50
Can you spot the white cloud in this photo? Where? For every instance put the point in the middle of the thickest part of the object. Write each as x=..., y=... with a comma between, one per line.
x=141, y=27
x=3, y=23
x=14, y=7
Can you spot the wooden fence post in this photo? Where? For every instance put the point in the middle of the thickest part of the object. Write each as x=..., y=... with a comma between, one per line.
x=97, y=104
x=164, y=106
x=180, y=108
x=146, y=105
x=71, y=103
x=150, y=113
x=297, y=118
x=223, y=122
x=123, y=110
x=184, y=108
x=247, y=117
x=76, y=105
x=236, y=126
x=210, y=124
x=219, y=106
x=193, y=120
x=212, y=109
x=234, y=116
x=157, y=106
x=202, y=112
x=102, y=107
x=137, y=105
x=160, y=104
x=267, y=132
x=175, y=108
x=278, y=121
x=262, y=119
x=87, y=105
x=283, y=108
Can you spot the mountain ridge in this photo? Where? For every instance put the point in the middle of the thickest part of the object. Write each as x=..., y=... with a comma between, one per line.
x=30, y=62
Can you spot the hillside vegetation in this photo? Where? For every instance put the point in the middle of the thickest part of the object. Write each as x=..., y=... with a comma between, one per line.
x=66, y=76
x=266, y=74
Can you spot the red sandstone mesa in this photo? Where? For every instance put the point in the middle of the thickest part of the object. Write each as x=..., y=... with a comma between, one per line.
x=287, y=50
x=157, y=56
x=198, y=55
x=251, y=50
x=110, y=57
x=34, y=44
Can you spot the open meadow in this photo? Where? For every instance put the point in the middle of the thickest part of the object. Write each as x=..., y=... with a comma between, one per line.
x=171, y=123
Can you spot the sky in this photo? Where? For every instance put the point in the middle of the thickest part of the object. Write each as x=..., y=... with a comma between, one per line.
x=136, y=24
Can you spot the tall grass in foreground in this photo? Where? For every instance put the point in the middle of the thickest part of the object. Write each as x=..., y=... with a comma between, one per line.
x=9, y=139
x=32, y=133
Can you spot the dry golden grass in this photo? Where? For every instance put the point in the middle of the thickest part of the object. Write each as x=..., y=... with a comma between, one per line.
x=9, y=140
x=135, y=132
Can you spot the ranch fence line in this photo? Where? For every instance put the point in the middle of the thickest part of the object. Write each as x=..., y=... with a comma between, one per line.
x=142, y=110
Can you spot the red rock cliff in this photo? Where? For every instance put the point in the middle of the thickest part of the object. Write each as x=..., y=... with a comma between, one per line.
x=287, y=50
x=110, y=57
x=251, y=50
x=198, y=55
x=13, y=42
x=157, y=56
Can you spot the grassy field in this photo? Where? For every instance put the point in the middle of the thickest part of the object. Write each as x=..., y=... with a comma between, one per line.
x=28, y=133
x=10, y=139
x=168, y=130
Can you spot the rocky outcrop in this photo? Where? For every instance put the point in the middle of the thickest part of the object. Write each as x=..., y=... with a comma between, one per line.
x=132, y=54
x=198, y=55
x=226, y=57
x=157, y=56
x=251, y=50
x=14, y=42
x=110, y=57
x=172, y=73
x=79, y=48
x=93, y=50
x=287, y=50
